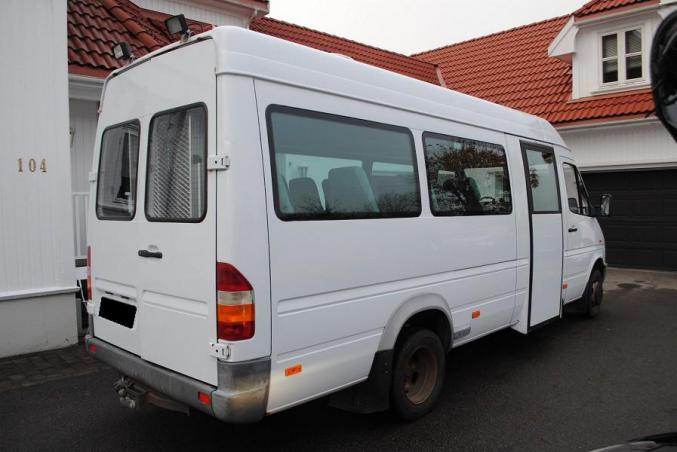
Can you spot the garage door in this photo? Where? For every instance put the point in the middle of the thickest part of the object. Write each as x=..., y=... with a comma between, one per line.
x=642, y=231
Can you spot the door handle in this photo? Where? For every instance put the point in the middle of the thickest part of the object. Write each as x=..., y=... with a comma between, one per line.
x=146, y=253
x=573, y=229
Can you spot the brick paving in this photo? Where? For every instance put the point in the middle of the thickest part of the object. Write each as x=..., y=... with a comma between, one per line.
x=42, y=367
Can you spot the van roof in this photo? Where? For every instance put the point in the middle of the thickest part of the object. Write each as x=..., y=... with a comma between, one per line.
x=245, y=52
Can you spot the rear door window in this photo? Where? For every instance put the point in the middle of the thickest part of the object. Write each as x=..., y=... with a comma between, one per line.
x=177, y=155
x=118, y=161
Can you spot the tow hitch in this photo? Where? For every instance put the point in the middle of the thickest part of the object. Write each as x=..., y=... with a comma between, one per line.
x=135, y=396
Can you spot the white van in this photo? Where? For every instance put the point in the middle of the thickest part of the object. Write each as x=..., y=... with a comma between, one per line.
x=271, y=224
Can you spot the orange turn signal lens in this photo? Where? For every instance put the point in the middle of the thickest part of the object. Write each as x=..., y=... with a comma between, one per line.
x=475, y=314
x=293, y=370
x=235, y=322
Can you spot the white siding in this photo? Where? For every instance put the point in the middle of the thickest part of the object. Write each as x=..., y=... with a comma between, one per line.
x=37, y=302
x=641, y=145
x=36, y=245
x=587, y=72
x=200, y=13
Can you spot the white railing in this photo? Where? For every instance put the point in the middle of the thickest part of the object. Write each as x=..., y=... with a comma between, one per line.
x=80, y=206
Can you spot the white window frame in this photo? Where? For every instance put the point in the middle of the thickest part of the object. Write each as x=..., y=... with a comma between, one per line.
x=622, y=59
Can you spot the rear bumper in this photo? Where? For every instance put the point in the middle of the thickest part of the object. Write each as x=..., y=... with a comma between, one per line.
x=240, y=397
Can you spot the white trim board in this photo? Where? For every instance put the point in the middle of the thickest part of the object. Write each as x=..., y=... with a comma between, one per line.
x=33, y=293
x=84, y=88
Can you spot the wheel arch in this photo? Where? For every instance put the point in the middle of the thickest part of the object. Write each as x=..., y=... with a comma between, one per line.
x=597, y=263
x=373, y=395
x=430, y=310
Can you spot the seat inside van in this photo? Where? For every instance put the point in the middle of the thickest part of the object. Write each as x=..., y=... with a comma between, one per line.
x=348, y=190
x=393, y=192
x=304, y=195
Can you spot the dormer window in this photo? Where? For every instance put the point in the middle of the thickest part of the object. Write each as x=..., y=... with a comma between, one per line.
x=622, y=60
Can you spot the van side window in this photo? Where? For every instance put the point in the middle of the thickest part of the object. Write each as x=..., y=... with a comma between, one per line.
x=328, y=167
x=176, y=178
x=577, y=195
x=466, y=177
x=116, y=188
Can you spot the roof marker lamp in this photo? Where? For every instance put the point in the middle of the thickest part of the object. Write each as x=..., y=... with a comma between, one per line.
x=122, y=51
x=177, y=24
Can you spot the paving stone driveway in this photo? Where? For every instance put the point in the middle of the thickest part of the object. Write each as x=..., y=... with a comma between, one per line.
x=43, y=367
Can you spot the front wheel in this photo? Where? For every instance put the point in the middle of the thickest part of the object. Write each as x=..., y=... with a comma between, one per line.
x=594, y=293
x=418, y=374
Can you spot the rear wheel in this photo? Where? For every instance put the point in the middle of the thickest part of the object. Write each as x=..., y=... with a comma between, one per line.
x=418, y=374
x=594, y=293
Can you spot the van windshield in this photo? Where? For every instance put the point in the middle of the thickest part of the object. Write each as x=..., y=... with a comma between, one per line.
x=116, y=191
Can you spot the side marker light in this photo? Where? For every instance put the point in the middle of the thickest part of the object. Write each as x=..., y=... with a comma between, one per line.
x=293, y=370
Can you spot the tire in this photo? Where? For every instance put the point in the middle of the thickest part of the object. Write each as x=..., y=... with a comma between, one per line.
x=418, y=374
x=594, y=294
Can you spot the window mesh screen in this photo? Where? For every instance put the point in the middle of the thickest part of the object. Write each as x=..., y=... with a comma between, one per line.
x=176, y=167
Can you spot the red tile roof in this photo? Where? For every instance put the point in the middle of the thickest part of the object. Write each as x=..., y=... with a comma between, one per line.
x=510, y=68
x=95, y=26
x=513, y=68
x=384, y=59
x=603, y=6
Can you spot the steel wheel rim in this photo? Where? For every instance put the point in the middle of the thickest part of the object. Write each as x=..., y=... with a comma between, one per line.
x=596, y=294
x=420, y=376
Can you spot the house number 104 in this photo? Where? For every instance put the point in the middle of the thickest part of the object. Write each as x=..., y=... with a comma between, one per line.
x=33, y=165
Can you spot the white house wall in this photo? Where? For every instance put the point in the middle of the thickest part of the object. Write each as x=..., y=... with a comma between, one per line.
x=587, y=72
x=36, y=241
x=196, y=12
x=627, y=146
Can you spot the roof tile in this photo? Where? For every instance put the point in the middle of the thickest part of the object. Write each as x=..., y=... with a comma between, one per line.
x=94, y=26
x=513, y=68
x=602, y=6
x=384, y=59
x=510, y=68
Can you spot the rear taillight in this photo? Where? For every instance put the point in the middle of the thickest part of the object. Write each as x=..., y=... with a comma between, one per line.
x=235, y=304
x=89, y=272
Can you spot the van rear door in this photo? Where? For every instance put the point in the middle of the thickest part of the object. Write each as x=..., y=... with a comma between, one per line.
x=161, y=265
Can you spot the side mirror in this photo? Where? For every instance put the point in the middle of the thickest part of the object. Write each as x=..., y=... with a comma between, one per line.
x=604, y=209
x=664, y=73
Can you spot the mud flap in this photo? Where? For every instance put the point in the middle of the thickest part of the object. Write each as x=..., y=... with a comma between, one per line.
x=373, y=394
